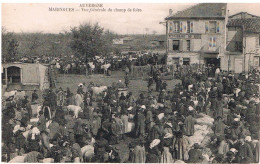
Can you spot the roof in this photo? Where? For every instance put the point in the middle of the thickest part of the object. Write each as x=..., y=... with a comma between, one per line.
x=245, y=14
x=202, y=10
x=20, y=64
x=250, y=24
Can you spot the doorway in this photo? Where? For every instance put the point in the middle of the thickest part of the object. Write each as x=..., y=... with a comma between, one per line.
x=14, y=74
x=212, y=64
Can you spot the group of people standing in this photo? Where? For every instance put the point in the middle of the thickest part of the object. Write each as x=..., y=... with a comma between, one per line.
x=154, y=127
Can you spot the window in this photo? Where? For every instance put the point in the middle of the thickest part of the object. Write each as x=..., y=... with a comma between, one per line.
x=176, y=26
x=212, y=42
x=175, y=45
x=186, y=61
x=191, y=27
x=207, y=26
x=212, y=26
x=188, y=27
x=217, y=30
x=188, y=45
x=170, y=27
x=239, y=46
x=181, y=27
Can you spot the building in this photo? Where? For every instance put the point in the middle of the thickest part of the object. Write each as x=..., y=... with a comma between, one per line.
x=197, y=34
x=243, y=42
x=157, y=42
x=24, y=76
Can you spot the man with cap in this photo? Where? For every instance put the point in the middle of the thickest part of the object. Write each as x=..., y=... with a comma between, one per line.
x=195, y=154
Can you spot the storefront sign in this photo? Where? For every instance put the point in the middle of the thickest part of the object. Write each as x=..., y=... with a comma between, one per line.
x=186, y=36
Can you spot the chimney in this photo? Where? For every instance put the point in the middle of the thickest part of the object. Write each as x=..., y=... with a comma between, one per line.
x=170, y=11
x=223, y=11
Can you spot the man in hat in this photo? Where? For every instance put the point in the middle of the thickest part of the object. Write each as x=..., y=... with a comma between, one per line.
x=195, y=154
x=150, y=83
x=140, y=122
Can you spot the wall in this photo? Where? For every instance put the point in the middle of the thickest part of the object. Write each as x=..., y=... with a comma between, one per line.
x=199, y=28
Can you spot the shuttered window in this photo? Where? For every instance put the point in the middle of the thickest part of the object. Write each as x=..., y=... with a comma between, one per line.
x=188, y=26
x=212, y=42
x=217, y=28
x=191, y=27
x=207, y=26
x=170, y=27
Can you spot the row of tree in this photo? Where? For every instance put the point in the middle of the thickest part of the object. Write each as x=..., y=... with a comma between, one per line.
x=84, y=41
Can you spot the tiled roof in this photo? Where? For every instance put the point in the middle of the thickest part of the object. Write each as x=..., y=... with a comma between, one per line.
x=202, y=10
x=250, y=24
x=244, y=13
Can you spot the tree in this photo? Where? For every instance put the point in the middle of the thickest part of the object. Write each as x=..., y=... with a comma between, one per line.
x=9, y=45
x=154, y=32
x=91, y=40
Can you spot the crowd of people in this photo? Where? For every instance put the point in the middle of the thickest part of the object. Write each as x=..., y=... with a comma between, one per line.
x=155, y=125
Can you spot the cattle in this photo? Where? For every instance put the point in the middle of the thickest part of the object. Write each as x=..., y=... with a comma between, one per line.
x=98, y=90
x=75, y=109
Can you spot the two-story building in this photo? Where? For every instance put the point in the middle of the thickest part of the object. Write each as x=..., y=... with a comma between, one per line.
x=197, y=35
x=243, y=42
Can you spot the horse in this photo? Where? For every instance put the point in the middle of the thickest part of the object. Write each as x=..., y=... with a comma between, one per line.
x=91, y=67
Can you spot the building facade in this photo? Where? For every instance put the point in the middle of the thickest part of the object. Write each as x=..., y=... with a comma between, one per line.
x=243, y=42
x=197, y=34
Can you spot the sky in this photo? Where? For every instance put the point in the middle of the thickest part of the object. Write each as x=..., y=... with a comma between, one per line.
x=36, y=17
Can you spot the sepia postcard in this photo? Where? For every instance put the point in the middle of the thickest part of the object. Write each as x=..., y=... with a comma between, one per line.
x=130, y=82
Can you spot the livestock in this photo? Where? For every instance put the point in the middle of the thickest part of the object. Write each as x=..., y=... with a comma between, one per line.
x=75, y=109
x=91, y=67
x=105, y=67
x=98, y=90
